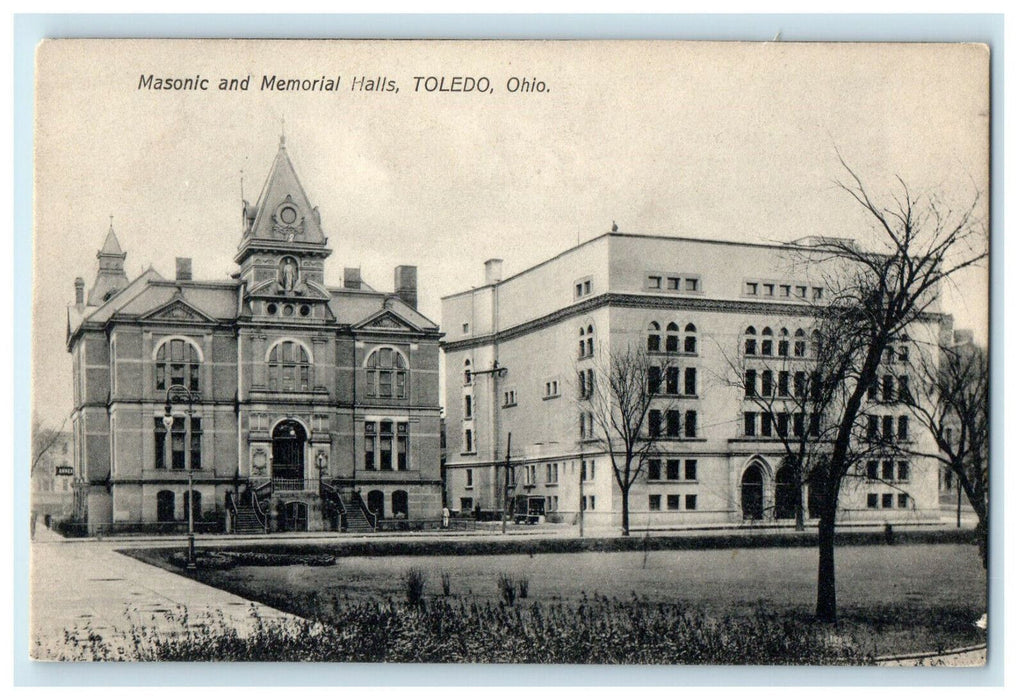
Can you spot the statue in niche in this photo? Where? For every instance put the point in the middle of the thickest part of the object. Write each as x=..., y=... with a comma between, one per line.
x=288, y=275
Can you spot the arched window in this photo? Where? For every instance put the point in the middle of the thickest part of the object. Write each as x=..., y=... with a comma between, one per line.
x=400, y=504
x=750, y=341
x=467, y=371
x=690, y=339
x=784, y=342
x=165, y=506
x=766, y=341
x=672, y=338
x=289, y=366
x=386, y=374
x=586, y=344
x=177, y=363
x=799, y=343
x=654, y=337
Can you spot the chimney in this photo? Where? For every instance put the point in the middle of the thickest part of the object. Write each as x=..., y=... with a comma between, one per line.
x=405, y=284
x=183, y=269
x=79, y=291
x=493, y=271
x=352, y=278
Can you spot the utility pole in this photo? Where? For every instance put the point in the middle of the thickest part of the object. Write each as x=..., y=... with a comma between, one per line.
x=505, y=489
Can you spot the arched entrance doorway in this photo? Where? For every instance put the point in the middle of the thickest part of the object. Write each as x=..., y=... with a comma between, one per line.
x=751, y=496
x=289, y=450
x=788, y=492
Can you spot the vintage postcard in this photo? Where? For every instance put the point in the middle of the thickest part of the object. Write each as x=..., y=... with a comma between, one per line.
x=575, y=352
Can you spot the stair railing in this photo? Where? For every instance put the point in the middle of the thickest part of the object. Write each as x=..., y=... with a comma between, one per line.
x=367, y=513
x=260, y=515
x=233, y=510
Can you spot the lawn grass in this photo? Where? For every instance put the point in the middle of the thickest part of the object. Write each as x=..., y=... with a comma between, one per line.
x=892, y=599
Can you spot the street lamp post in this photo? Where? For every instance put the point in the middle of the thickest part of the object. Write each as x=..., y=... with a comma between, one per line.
x=179, y=394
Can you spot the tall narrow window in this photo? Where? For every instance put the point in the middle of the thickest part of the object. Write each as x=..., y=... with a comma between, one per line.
x=370, y=446
x=767, y=382
x=672, y=380
x=387, y=436
x=750, y=341
x=783, y=383
x=690, y=381
x=902, y=427
x=467, y=372
x=750, y=418
x=196, y=443
x=654, y=422
x=673, y=423
x=402, y=447
x=467, y=406
x=766, y=341
x=160, y=443
x=690, y=339
x=750, y=382
x=799, y=343
x=178, y=443
x=690, y=424
x=654, y=337
x=672, y=338
x=654, y=380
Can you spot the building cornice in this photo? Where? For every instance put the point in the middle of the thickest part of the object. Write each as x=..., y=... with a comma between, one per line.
x=648, y=301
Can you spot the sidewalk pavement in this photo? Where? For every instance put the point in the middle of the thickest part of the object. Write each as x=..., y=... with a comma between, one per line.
x=86, y=585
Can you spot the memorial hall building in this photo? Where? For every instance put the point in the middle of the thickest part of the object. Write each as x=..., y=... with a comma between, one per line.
x=286, y=403
x=733, y=321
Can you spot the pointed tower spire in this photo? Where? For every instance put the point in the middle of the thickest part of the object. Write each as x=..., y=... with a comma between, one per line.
x=111, y=277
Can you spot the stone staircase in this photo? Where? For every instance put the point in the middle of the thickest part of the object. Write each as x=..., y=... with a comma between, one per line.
x=247, y=522
x=355, y=518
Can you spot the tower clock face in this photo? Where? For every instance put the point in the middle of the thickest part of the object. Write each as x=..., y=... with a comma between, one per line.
x=288, y=215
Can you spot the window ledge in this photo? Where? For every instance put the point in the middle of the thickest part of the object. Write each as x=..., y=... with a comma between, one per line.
x=553, y=396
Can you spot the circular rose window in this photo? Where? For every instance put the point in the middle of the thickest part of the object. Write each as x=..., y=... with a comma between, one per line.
x=288, y=215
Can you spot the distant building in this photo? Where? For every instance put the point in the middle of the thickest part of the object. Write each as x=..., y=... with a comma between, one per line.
x=521, y=350
x=53, y=474
x=315, y=407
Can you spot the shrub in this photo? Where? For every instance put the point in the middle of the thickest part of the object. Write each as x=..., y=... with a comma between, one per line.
x=415, y=581
x=506, y=589
x=446, y=584
x=523, y=584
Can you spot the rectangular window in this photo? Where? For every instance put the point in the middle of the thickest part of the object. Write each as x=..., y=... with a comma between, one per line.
x=690, y=424
x=160, y=444
x=691, y=284
x=872, y=470
x=816, y=292
x=902, y=427
x=467, y=406
x=672, y=502
x=672, y=380
x=178, y=443
x=902, y=500
x=196, y=443
x=903, y=471
x=371, y=382
x=402, y=447
x=887, y=427
x=469, y=478
x=691, y=501
x=384, y=380
x=750, y=418
x=887, y=470
x=769, y=290
x=784, y=348
x=385, y=460
x=872, y=501
x=654, y=502
x=466, y=328
x=799, y=424
x=766, y=424
x=690, y=381
x=784, y=290
x=904, y=389
x=800, y=291
x=370, y=445
x=750, y=288
x=888, y=388
x=782, y=424
x=654, y=422
x=673, y=469
x=468, y=440
x=654, y=282
x=672, y=342
x=161, y=380
x=673, y=423
x=654, y=469
x=465, y=505
x=783, y=383
x=400, y=384
x=673, y=284
x=767, y=383
x=590, y=500
x=766, y=347
x=690, y=469
x=872, y=427
x=816, y=424
x=800, y=382
x=750, y=345
x=887, y=500
x=654, y=380
x=750, y=382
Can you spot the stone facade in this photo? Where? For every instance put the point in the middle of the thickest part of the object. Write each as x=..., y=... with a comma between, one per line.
x=293, y=384
x=518, y=351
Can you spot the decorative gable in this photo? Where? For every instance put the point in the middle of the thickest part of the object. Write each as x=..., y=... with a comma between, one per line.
x=178, y=310
x=387, y=321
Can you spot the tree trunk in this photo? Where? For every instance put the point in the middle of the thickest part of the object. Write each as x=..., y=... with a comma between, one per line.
x=825, y=607
x=626, y=514
x=799, y=513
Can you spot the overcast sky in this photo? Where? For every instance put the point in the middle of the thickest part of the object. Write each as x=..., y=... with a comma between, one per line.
x=725, y=141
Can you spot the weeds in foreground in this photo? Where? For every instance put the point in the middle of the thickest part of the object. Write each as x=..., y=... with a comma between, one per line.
x=595, y=630
x=414, y=582
x=506, y=589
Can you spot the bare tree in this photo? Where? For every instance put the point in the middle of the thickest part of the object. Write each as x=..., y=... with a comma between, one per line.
x=617, y=407
x=952, y=404
x=881, y=292
x=44, y=440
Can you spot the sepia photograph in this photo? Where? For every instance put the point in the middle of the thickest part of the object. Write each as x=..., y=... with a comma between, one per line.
x=511, y=352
